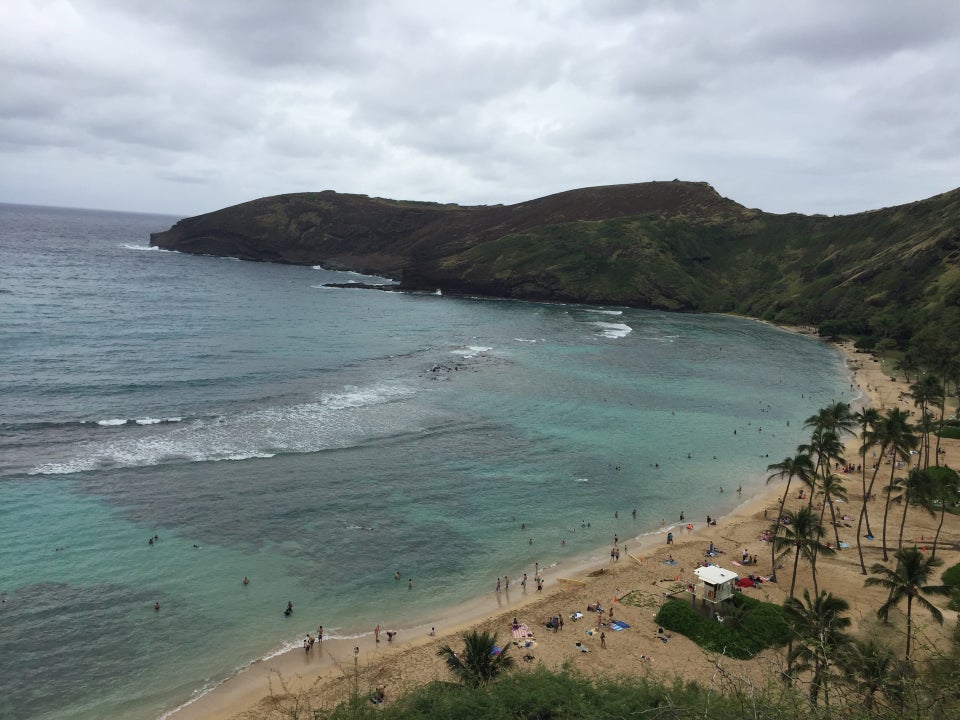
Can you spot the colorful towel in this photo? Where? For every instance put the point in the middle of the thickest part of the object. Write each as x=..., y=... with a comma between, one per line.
x=734, y=562
x=521, y=632
x=618, y=625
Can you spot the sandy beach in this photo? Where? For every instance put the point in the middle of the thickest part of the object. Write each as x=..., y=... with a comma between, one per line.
x=634, y=587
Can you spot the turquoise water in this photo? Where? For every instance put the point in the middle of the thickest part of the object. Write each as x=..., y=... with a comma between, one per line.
x=317, y=440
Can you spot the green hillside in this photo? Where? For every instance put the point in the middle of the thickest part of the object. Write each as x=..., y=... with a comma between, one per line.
x=889, y=277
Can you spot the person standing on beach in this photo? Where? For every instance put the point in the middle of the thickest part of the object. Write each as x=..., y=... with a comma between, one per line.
x=320, y=634
x=506, y=582
x=523, y=583
x=498, y=585
x=376, y=633
x=603, y=640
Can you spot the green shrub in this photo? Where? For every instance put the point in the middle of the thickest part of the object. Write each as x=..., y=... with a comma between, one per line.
x=951, y=578
x=759, y=625
x=951, y=432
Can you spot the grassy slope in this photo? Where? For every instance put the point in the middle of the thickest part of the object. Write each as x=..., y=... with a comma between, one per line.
x=884, y=274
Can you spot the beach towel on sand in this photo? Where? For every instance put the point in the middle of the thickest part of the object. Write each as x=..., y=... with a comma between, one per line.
x=618, y=625
x=521, y=632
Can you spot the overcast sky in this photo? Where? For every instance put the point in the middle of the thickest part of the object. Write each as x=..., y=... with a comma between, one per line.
x=186, y=106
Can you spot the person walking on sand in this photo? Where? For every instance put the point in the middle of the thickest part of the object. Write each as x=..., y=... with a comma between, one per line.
x=603, y=640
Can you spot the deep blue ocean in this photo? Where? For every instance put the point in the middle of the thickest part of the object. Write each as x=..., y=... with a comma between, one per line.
x=317, y=440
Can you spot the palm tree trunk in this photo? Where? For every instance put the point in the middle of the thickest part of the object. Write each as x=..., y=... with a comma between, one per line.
x=903, y=519
x=943, y=410
x=833, y=519
x=815, y=683
x=863, y=567
x=773, y=545
x=796, y=564
x=886, y=505
x=863, y=515
x=863, y=485
x=909, y=623
x=936, y=538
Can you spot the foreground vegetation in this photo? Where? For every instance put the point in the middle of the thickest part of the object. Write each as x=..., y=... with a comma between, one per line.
x=878, y=691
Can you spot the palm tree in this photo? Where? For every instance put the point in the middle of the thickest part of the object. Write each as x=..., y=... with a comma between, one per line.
x=799, y=466
x=877, y=436
x=481, y=661
x=949, y=369
x=826, y=446
x=909, y=580
x=946, y=489
x=917, y=489
x=900, y=441
x=908, y=366
x=926, y=391
x=819, y=628
x=866, y=420
x=832, y=488
x=872, y=667
x=835, y=419
x=802, y=535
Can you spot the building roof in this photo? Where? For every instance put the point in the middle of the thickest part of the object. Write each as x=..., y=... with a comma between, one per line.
x=713, y=575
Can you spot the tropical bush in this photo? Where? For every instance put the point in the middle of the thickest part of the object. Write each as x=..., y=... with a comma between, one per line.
x=756, y=625
x=951, y=578
x=951, y=432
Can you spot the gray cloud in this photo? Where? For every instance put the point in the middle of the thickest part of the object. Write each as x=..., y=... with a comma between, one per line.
x=184, y=106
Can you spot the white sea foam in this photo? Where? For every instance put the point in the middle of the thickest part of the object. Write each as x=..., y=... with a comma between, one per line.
x=150, y=248
x=605, y=312
x=582, y=480
x=332, y=420
x=115, y=422
x=247, y=456
x=526, y=340
x=613, y=330
x=470, y=351
x=359, y=396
